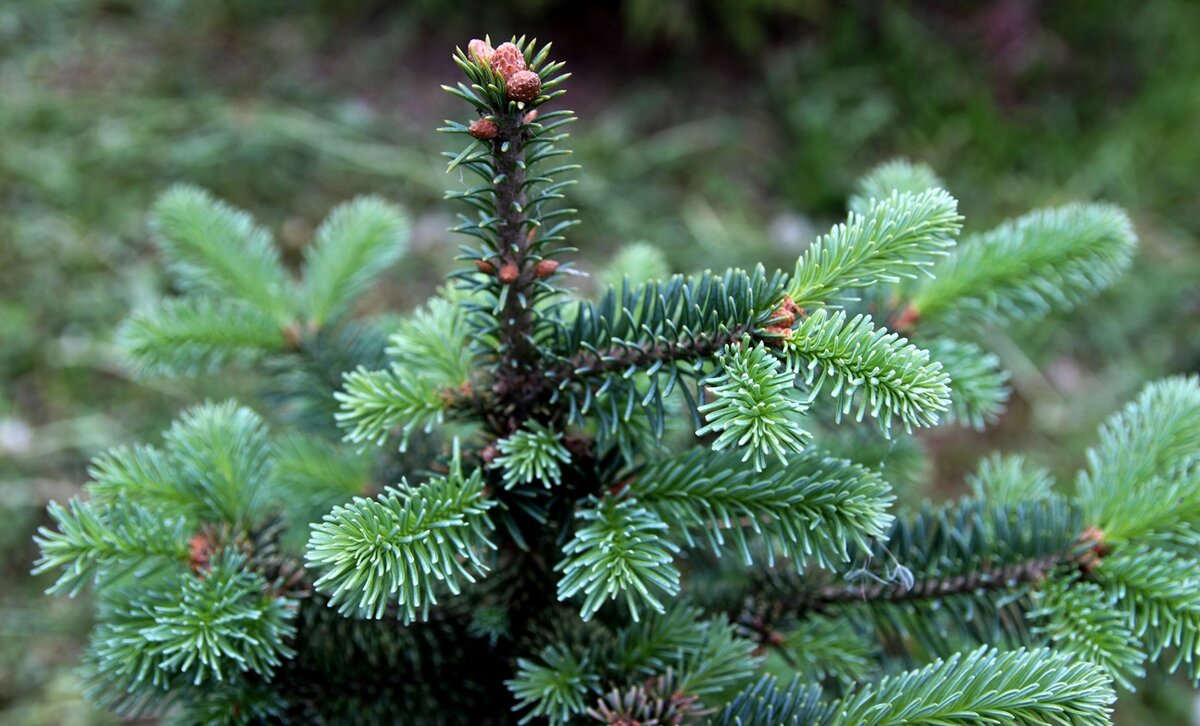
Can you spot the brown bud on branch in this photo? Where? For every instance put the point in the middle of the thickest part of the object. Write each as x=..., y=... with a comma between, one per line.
x=524, y=86
x=509, y=273
x=483, y=128
x=480, y=52
x=507, y=60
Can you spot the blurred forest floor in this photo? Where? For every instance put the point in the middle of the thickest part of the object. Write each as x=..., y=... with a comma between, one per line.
x=717, y=130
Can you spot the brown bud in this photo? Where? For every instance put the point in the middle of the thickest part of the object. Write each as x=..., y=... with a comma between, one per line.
x=485, y=267
x=545, y=268
x=483, y=128
x=524, y=86
x=293, y=334
x=509, y=273
x=200, y=549
x=507, y=60
x=480, y=52
x=453, y=397
x=784, y=316
x=530, y=117
x=1092, y=538
x=907, y=318
x=488, y=454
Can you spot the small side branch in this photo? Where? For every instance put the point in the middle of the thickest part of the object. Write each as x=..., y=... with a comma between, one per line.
x=996, y=578
x=587, y=363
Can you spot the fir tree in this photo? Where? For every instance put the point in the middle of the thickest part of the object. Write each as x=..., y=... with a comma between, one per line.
x=631, y=509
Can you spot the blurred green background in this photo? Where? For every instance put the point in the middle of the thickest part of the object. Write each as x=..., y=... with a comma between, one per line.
x=722, y=131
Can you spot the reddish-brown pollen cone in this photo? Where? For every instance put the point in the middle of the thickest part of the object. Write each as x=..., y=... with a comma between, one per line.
x=545, y=268
x=483, y=128
x=452, y=397
x=507, y=59
x=480, y=52
x=524, y=86
x=907, y=318
x=1092, y=537
x=200, y=550
x=509, y=273
x=530, y=117
x=485, y=267
x=785, y=317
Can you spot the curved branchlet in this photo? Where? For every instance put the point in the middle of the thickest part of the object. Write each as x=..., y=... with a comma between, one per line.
x=1050, y=259
x=754, y=405
x=896, y=237
x=402, y=547
x=985, y=685
x=868, y=370
x=897, y=175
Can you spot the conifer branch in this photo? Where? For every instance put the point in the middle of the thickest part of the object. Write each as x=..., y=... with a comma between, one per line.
x=429, y=378
x=962, y=570
x=106, y=545
x=664, y=331
x=1020, y=686
x=1141, y=478
x=374, y=404
x=979, y=388
x=1008, y=481
x=433, y=341
x=815, y=508
x=356, y=242
x=896, y=176
x=223, y=455
x=1051, y=259
x=402, y=546
x=217, y=250
x=533, y=453
x=510, y=141
x=819, y=649
x=977, y=580
x=554, y=688
x=983, y=686
x=195, y=630
x=618, y=552
x=1078, y=619
x=1159, y=594
x=895, y=238
x=190, y=336
x=656, y=643
x=765, y=702
x=721, y=661
x=754, y=405
x=868, y=369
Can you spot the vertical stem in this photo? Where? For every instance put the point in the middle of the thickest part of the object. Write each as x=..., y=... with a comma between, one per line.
x=516, y=323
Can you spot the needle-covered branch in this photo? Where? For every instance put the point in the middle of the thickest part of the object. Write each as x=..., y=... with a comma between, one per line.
x=1051, y=259
x=401, y=548
x=896, y=237
x=814, y=508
